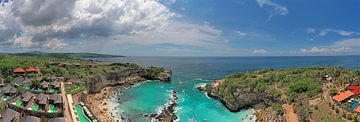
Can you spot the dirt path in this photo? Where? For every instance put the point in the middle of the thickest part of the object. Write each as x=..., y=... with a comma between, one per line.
x=66, y=104
x=289, y=113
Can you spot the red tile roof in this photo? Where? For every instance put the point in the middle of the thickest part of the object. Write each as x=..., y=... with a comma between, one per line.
x=354, y=89
x=19, y=70
x=357, y=109
x=31, y=69
x=342, y=96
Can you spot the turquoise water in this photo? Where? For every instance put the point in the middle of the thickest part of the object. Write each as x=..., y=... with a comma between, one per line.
x=188, y=72
x=81, y=114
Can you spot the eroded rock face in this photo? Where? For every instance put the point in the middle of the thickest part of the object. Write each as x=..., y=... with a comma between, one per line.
x=268, y=115
x=242, y=97
x=165, y=75
x=128, y=78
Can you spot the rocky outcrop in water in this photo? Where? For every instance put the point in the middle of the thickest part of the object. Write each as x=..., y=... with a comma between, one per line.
x=167, y=114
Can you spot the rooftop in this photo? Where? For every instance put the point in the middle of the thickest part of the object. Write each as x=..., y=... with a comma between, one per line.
x=26, y=97
x=28, y=118
x=31, y=69
x=8, y=115
x=342, y=96
x=56, y=98
x=42, y=98
x=19, y=70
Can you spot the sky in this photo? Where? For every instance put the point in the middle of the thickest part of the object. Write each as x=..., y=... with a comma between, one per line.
x=182, y=27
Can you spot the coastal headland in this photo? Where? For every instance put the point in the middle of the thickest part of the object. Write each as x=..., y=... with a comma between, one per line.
x=296, y=94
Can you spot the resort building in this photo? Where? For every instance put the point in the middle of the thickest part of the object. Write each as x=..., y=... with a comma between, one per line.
x=342, y=96
x=19, y=71
x=26, y=97
x=28, y=118
x=55, y=103
x=44, y=85
x=27, y=102
x=9, y=115
x=41, y=100
x=32, y=70
x=9, y=90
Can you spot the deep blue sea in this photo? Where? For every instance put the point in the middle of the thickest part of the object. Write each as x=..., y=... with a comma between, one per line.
x=188, y=72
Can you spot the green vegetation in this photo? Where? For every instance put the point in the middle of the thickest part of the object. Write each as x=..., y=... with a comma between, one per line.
x=293, y=85
x=74, y=89
x=277, y=108
x=35, y=107
x=2, y=106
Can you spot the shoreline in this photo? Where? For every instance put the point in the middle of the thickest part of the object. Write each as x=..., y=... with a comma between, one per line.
x=100, y=104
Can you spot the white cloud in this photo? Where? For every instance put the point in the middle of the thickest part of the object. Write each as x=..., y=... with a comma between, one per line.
x=239, y=33
x=177, y=33
x=23, y=41
x=143, y=22
x=347, y=46
x=354, y=42
x=277, y=9
x=260, y=51
x=337, y=31
x=311, y=30
x=54, y=43
x=325, y=32
x=316, y=50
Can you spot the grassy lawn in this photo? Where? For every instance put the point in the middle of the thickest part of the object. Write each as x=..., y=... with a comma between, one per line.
x=5, y=98
x=74, y=89
x=325, y=114
x=52, y=90
x=52, y=108
x=18, y=103
x=35, y=107
x=39, y=90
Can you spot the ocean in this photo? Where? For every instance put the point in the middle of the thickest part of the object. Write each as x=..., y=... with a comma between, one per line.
x=189, y=72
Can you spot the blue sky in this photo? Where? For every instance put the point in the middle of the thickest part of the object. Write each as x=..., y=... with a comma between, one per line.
x=184, y=27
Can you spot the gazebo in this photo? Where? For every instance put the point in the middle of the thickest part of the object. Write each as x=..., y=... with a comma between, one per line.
x=19, y=71
x=32, y=70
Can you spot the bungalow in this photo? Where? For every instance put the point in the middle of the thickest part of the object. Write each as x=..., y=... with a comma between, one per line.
x=26, y=97
x=56, y=100
x=42, y=99
x=88, y=65
x=44, y=85
x=32, y=70
x=9, y=90
x=342, y=96
x=77, y=64
x=55, y=84
x=9, y=115
x=19, y=71
x=51, y=64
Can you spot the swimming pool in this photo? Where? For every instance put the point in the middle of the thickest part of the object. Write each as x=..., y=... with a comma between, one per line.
x=82, y=116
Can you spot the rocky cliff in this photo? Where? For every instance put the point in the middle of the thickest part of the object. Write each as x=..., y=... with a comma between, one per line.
x=242, y=96
x=126, y=77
